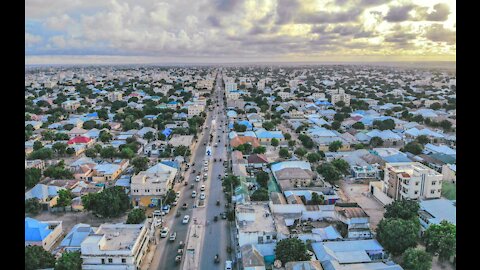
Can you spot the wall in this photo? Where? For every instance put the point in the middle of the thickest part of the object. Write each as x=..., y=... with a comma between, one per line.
x=378, y=194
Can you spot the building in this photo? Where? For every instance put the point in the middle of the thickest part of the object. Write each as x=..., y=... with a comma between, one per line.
x=114, y=96
x=255, y=224
x=42, y=233
x=195, y=110
x=251, y=258
x=340, y=96
x=291, y=174
x=106, y=172
x=230, y=86
x=411, y=180
x=71, y=105
x=435, y=211
x=148, y=187
x=356, y=219
x=74, y=239
x=116, y=246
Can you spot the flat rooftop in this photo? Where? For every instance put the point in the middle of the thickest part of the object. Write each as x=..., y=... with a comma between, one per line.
x=119, y=236
x=262, y=219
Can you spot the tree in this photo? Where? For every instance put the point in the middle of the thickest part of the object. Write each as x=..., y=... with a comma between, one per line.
x=413, y=147
x=36, y=257
x=181, y=150
x=111, y=202
x=287, y=136
x=268, y=125
x=32, y=206
x=290, y=250
x=291, y=143
x=334, y=146
x=59, y=148
x=441, y=239
x=317, y=199
x=32, y=176
x=284, y=153
x=384, y=125
x=376, y=141
x=416, y=259
x=61, y=137
x=423, y=139
x=148, y=136
x=262, y=179
x=329, y=172
x=58, y=171
x=336, y=125
x=140, y=164
x=89, y=124
x=358, y=125
x=260, y=194
x=37, y=145
x=313, y=157
x=259, y=150
x=403, y=209
x=105, y=136
x=108, y=152
x=65, y=197
x=275, y=142
x=396, y=235
x=70, y=151
x=435, y=106
x=136, y=216
x=48, y=135
x=239, y=128
x=340, y=103
x=127, y=153
x=341, y=165
x=91, y=153
x=446, y=125
x=300, y=152
x=339, y=117
x=69, y=261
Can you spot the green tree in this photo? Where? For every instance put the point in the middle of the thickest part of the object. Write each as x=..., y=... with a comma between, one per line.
x=105, y=136
x=300, y=152
x=403, y=209
x=140, y=164
x=61, y=137
x=262, y=179
x=291, y=143
x=111, y=202
x=268, y=125
x=446, y=125
x=396, y=235
x=48, y=135
x=91, y=153
x=341, y=165
x=65, y=197
x=136, y=216
x=313, y=157
x=108, y=152
x=291, y=250
x=423, y=139
x=287, y=136
x=32, y=176
x=59, y=148
x=259, y=150
x=36, y=257
x=416, y=259
x=329, y=172
x=58, y=171
x=127, y=153
x=334, y=146
x=37, y=145
x=435, y=106
x=68, y=126
x=284, y=153
x=275, y=142
x=358, y=125
x=32, y=206
x=181, y=150
x=336, y=125
x=376, y=141
x=70, y=151
x=441, y=239
x=69, y=261
x=90, y=124
x=239, y=128
x=317, y=199
x=260, y=194
x=413, y=147
x=149, y=136
x=340, y=103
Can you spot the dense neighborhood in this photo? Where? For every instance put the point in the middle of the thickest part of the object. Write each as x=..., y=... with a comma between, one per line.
x=329, y=167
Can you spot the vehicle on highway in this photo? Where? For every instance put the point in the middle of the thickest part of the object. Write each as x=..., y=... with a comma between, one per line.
x=206, y=162
x=173, y=235
x=206, y=169
x=186, y=219
x=336, y=187
x=202, y=188
x=218, y=202
x=181, y=245
x=174, y=203
x=164, y=232
x=194, y=194
x=157, y=213
x=224, y=215
x=193, y=171
x=228, y=265
x=216, y=145
x=177, y=194
x=205, y=176
x=178, y=259
x=185, y=183
x=192, y=186
x=202, y=196
x=197, y=179
x=215, y=218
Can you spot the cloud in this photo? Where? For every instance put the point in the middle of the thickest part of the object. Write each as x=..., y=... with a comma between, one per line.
x=399, y=13
x=440, y=13
x=32, y=39
x=438, y=33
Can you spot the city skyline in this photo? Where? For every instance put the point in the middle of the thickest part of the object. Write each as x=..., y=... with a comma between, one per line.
x=123, y=32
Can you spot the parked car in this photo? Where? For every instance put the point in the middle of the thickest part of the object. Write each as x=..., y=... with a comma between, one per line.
x=157, y=213
x=197, y=179
x=194, y=194
x=164, y=232
x=202, y=196
x=228, y=265
x=173, y=235
x=186, y=218
x=166, y=209
x=185, y=206
x=202, y=188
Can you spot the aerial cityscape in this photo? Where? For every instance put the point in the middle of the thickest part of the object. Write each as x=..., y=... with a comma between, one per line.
x=198, y=135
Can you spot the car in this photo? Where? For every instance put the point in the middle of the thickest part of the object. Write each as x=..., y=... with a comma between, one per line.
x=185, y=206
x=174, y=203
x=202, y=188
x=177, y=194
x=194, y=194
x=173, y=235
x=178, y=259
x=336, y=187
x=166, y=209
x=157, y=213
x=205, y=176
x=206, y=169
x=202, y=196
x=197, y=179
x=205, y=163
x=164, y=232
x=228, y=265
x=186, y=218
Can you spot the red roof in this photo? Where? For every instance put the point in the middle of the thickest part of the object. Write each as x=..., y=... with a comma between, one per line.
x=79, y=139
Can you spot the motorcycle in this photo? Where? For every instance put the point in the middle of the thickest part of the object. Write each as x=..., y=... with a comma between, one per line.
x=217, y=259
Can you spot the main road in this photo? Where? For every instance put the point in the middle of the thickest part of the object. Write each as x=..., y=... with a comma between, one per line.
x=217, y=237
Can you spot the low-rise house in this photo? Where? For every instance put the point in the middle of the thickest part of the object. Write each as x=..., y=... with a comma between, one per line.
x=46, y=195
x=257, y=161
x=304, y=265
x=449, y=172
x=255, y=224
x=265, y=136
x=36, y=163
x=356, y=219
x=435, y=211
x=148, y=188
x=251, y=258
x=291, y=174
x=116, y=246
x=73, y=240
x=42, y=233
x=106, y=172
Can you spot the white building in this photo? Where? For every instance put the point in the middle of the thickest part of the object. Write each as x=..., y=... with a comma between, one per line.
x=411, y=180
x=230, y=86
x=116, y=246
x=340, y=96
x=261, y=85
x=195, y=110
x=114, y=96
x=255, y=224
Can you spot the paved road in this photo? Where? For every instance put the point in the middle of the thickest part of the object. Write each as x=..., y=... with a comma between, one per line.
x=217, y=234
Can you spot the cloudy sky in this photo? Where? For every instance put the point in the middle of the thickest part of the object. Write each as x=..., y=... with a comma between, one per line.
x=207, y=31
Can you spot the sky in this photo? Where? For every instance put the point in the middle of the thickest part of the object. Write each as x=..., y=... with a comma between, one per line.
x=228, y=31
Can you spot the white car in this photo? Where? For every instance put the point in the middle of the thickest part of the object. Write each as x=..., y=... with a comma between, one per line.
x=177, y=194
x=202, y=188
x=157, y=213
x=202, y=196
x=175, y=202
x=206, y=169
x=194, y=194
x=164, y=232
x=186, y=218
x=228, y=265
x=197, y=179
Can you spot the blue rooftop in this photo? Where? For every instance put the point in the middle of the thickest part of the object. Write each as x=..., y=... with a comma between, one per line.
x=35, y=230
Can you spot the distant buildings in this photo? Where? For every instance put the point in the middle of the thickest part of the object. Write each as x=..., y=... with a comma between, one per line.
x=340, y=96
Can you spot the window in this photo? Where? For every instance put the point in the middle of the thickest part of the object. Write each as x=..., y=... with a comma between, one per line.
x=432, y=191
x=103, y=261
x=433, y=183
x=416, y=192
x=110, y=260
x=124, y=260
x=416, y=183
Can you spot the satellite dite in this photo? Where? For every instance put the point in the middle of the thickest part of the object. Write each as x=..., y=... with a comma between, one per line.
x=208, y=151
